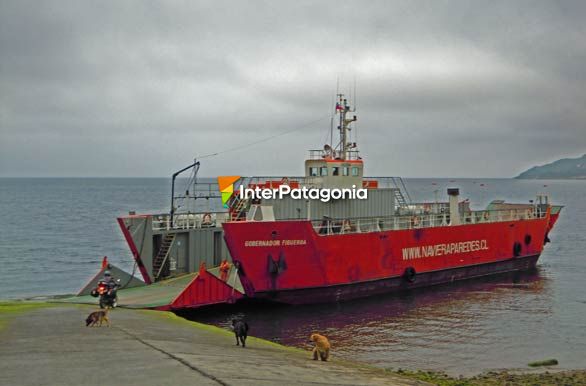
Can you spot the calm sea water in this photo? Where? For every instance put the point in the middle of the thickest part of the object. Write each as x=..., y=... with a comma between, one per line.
x=54, y=232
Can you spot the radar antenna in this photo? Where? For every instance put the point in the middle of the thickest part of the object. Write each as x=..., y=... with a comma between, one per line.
x=342, y=108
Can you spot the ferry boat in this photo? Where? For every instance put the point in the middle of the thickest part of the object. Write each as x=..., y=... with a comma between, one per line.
x=289, y=252
x=310, y=250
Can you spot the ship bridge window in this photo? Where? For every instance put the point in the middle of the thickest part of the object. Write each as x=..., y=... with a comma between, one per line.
x=335, y=171
x=346, y=171
x=313, y=171
x=355, y=171
x=324, y=171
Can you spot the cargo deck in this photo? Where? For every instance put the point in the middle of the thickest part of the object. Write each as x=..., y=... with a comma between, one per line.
x=191, y=290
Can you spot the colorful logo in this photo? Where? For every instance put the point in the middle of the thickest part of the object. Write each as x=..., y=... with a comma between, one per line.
x=226, y=184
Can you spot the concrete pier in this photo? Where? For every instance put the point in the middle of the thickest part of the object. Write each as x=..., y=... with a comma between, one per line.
x=52, y=346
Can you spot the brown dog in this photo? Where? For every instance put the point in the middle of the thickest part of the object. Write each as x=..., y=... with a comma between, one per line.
x=98, y=317
x=322, y=347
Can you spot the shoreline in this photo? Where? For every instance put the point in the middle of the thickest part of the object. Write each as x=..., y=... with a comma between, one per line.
x=11, y=310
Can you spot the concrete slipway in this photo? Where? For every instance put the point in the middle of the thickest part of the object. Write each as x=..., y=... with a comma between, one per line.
x=52, y=346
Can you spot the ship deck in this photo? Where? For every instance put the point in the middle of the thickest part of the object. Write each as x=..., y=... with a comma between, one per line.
x=158, y=295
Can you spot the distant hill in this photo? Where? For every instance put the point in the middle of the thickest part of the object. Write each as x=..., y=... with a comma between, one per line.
x=567, y=168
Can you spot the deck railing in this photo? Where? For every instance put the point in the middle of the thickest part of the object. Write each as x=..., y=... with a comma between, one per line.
x=162, y=222
x=326, y=227
x=323, y=154
x=331, y=226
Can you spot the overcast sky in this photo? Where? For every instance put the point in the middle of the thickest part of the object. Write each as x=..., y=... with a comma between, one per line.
x=444, y=88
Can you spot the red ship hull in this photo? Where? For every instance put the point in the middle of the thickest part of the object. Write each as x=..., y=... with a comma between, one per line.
x=287, y=261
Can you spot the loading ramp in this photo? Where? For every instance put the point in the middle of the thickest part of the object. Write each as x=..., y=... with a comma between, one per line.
x=191, y=290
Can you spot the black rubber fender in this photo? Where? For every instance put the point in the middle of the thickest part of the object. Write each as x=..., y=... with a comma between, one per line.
x=410, y=274
x=282, y=264
x=272, y=265
x=517, y=247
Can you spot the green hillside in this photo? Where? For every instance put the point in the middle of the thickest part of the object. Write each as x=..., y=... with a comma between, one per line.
x=567, y=168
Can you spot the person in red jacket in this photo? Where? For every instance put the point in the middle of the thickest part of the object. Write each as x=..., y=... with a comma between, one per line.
x=224, y=269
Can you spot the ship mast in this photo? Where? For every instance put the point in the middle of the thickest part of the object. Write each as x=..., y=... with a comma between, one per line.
x=342, y=108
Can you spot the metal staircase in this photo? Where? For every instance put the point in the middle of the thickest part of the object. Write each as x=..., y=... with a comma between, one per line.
x=399, y=197
x=163, y=254
x=238, y=206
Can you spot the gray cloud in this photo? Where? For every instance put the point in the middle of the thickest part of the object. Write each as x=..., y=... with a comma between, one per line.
x=445, y=88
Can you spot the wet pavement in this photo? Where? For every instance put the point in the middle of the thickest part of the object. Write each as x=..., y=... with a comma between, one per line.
x=52, y=346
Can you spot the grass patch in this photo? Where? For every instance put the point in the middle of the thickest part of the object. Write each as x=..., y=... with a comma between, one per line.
x=566, y=378
x=171, y=317
x=11, y=309
x=547, y=362
x=434, y=377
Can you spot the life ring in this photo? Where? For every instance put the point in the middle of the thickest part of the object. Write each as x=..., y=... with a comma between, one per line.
x=415, y=221
x=410, y=274
x=207, y=219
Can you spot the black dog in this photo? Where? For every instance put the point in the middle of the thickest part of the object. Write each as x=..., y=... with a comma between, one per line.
x=241, y=331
